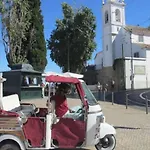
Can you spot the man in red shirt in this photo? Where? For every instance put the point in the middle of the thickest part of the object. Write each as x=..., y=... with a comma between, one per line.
x=60, y=100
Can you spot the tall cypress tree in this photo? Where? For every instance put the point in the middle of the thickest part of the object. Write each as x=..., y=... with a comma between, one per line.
x=35, y=44
x=15, y=21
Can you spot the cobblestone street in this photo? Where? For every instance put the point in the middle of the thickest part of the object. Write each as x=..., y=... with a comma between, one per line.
x=132, y=125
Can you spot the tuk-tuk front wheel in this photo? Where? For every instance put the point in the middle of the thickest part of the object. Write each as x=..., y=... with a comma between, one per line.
x=106, y=143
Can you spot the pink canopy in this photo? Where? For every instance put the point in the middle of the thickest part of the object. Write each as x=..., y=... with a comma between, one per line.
x=59, y=78
x=66, y=79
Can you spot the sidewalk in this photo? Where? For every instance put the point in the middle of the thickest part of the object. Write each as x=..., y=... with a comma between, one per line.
x=132, y=125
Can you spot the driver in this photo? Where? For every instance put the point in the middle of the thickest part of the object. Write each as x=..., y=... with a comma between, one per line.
x=60, y=100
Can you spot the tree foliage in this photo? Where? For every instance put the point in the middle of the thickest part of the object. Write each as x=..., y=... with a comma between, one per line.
x=15, y=16
x=35, y=44
x=22, y=32
x=73, y=38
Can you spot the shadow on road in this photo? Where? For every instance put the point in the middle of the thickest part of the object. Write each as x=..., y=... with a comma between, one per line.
x=128, y=128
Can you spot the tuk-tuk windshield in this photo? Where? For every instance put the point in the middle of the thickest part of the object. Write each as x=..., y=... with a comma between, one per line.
x=89, y=96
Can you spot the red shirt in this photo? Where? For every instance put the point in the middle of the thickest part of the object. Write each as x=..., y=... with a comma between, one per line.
x=61, y=106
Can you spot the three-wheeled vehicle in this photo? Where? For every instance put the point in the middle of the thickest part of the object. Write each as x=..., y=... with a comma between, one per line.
x=25, y=127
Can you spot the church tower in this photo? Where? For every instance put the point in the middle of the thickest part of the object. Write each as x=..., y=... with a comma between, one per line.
x=113, y=18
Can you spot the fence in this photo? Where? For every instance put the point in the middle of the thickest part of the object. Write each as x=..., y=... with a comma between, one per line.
x=126, y=98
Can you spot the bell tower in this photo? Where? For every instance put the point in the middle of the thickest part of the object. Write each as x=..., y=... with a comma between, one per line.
x=113, y=18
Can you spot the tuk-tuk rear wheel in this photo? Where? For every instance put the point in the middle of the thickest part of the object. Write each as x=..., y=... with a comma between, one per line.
x=106, y=143
x=8, y=145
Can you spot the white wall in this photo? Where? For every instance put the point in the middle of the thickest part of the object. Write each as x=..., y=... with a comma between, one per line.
x=135, y=47
x=117, y=46
x=148, y=66
x=123, y=37
x=106, y=28
x=142, y=53
x=110, y=29
x=146, y=40
x=98, y=60
x=107, y=53
x=140, y=81
x=122, y=12
x=135, y=39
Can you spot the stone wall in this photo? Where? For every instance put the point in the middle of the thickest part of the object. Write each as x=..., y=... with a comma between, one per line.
x=115, y=72
x=90, y=75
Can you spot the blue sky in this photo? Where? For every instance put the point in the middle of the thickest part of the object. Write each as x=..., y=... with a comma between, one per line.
x=137, y=12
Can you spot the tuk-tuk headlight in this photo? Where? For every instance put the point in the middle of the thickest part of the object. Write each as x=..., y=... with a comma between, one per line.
x=100, y=119
x=103, y=119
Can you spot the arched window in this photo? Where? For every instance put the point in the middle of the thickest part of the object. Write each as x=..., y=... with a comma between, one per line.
x=106, y=17
x=117, y=14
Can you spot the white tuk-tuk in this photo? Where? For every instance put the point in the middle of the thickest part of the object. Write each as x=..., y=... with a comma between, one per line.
x=25, y=127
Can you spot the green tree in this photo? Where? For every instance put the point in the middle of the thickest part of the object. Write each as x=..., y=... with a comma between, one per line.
x=72, y=41
x=15, y=16
x=35, y=44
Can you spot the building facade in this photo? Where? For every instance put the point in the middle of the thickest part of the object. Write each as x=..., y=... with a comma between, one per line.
x=125, y=54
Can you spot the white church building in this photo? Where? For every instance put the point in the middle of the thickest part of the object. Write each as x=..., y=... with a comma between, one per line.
x=125, y=55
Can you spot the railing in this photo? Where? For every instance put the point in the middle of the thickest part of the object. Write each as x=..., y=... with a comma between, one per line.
x=126, y=98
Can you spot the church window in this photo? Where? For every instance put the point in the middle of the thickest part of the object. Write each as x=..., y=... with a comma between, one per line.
x=141, y=39
x=117, y=14
x=106, y=17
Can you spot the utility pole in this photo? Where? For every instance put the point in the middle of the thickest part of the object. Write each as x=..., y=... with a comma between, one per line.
x=131, y=67
x=132, y=74
x=123, y=62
